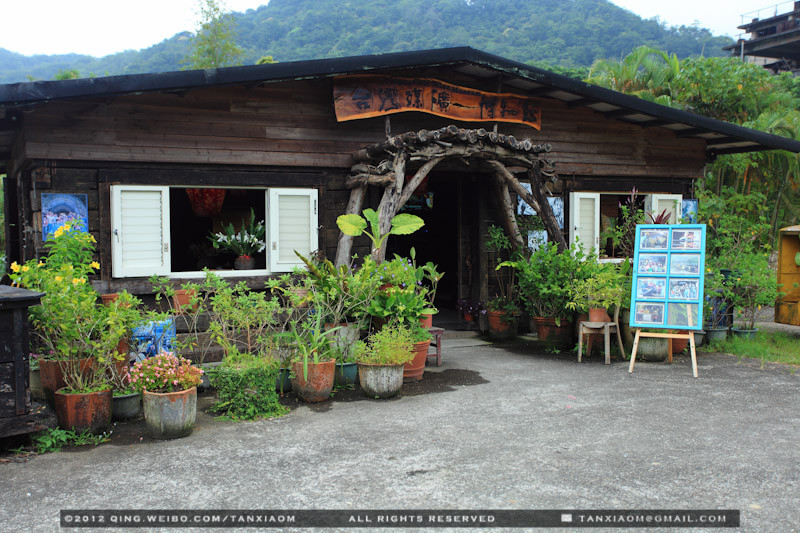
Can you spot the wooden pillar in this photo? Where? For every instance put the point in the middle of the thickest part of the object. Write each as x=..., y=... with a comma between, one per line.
x=483, y=253
x=345, y=245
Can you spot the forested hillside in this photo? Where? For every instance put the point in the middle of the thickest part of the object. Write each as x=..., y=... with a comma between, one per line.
x=569, y=33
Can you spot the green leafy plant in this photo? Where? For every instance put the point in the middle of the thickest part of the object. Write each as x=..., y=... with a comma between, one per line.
x=191, y=315
x=602, y=289
x=245, y=321
x=246, y=242
x=547, y=279
x=54, y=439
x=499, y=245
x=753, y=285
x=245, y=386
x=311, y=342
x=391, y=345
x=355, y=225
x=70, y=326
x=165, y=373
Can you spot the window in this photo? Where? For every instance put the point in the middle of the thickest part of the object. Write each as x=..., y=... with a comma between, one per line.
x=155, y=230
x=591, y=213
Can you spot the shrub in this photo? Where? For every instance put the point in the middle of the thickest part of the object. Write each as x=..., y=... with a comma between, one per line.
x=246, y=388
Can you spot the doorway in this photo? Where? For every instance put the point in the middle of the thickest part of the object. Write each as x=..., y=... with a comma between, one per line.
x=437, y=201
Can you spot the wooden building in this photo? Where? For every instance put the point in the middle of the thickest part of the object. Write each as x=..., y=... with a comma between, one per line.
x=268, y=135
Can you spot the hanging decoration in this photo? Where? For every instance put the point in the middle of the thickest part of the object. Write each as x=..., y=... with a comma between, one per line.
x=206, y=202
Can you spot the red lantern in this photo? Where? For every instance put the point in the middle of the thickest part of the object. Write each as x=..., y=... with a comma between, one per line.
x=206, y=202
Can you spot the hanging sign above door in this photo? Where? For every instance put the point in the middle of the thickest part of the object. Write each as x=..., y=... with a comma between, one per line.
x=357, y=97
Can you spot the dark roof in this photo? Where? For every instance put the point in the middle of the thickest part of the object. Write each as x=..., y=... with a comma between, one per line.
x=721, y=137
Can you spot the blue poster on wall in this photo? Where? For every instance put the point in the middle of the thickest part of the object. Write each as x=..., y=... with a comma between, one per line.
x=59, y=208
x=668, y=268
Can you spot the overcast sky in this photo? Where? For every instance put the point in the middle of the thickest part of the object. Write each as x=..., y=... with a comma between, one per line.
x=101, y=27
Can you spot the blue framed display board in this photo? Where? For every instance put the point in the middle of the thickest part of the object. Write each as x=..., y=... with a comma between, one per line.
x=668, y=272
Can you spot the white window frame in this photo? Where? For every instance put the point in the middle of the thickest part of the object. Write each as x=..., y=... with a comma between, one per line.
x=273, y=230
x=574, y=219
x=118, y=270
x=118, y=233
x=651, y=199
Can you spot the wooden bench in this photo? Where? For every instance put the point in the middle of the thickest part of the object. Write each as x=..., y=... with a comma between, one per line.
x=437, y=343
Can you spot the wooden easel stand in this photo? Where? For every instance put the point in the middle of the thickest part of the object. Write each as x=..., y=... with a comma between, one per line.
x=670, y=336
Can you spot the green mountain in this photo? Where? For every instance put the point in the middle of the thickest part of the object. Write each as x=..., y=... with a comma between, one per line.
x=569, y=33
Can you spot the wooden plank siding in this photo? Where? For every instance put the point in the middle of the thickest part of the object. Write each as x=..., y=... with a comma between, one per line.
x=286, y=135
x=293, y=124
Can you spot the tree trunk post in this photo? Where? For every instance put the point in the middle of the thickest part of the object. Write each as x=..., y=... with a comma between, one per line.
x=345, y=245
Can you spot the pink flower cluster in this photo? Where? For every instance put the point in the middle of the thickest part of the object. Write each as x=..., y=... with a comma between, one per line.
x=165, y=373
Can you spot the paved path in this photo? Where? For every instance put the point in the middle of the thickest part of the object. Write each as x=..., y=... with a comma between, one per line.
x=506, y=428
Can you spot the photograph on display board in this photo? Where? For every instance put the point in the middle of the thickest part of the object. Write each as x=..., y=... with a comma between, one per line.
x=685, y=264
x=654, y=239
x=680, y=314
x=684, y=289
x=651, y=288
x=652, y=264
x=686, y=239
x=649, y=313
x=689, y=211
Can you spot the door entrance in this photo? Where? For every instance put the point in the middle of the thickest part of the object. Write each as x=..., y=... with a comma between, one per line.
x=437, y=202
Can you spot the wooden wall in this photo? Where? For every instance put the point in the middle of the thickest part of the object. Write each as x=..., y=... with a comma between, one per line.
x=286, y=134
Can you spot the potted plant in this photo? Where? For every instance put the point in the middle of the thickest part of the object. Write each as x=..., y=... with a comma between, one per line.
x=169, y=394
x=470, y=309
x=245, y=385
x=244, y=243
x=355, y=226
x=421, y=342
x=381, y=360
x=600, y=292
x=754, y=286
x=314, y=366
x=503, y=311
x=716, y=305
x=547, y=281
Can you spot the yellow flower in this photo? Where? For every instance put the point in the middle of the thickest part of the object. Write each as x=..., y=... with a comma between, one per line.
x=59, y=232
x=76, y=281
x=95, y=264
x=59, y=278
x=40, y=264
x=91, y=238
x=25, y=268
x=15, y=267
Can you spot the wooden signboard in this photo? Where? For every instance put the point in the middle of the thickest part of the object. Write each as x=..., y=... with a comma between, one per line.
x=357, y=97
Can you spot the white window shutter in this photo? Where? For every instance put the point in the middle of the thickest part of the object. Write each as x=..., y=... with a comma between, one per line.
x=293, y=223
x=584, y=219
x=655, y=204
x=140, y=231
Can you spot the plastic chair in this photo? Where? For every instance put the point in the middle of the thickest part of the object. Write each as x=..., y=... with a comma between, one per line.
x=606, y=328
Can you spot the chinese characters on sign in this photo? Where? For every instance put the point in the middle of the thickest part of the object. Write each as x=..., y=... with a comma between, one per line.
x=668, y=276
x=357, y=97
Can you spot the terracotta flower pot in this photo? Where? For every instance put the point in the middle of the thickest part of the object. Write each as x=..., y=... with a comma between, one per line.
x=413, y=370
x=170, y=415
x=319, y=383
x=180, y=301
x=426, y=321
x=81, y=412
x=501, y=325
x=598, y=315
x=108, y=298
x=52, y=374
x=548, y=331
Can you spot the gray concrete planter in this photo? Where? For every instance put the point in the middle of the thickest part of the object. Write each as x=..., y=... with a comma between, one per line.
x=126, y=406
x=380, y=381
x=652, y=349
x=170, y=415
